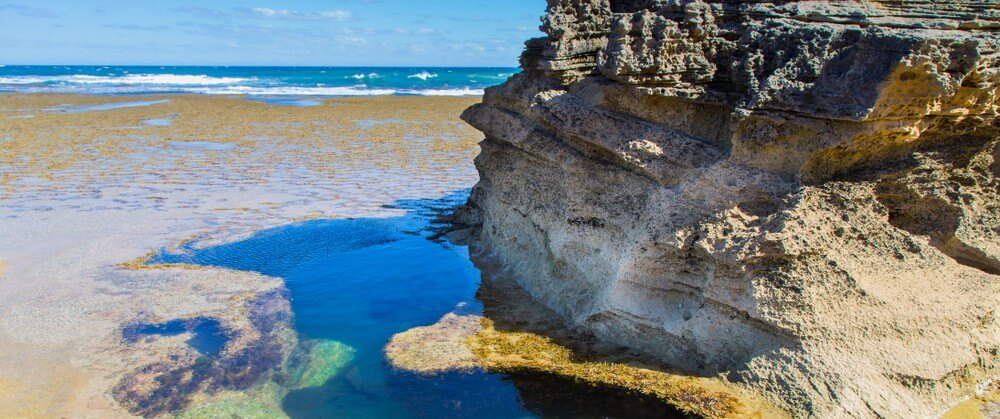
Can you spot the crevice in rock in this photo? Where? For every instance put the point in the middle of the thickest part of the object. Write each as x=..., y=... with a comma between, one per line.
x=935, y=218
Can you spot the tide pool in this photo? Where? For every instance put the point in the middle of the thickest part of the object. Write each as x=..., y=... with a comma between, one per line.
x=353, y=284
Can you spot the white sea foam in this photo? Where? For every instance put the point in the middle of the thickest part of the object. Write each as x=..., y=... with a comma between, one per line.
x=295, y=91
x=334, y=91
x=24, y=80
x=131, y=79
x=221, y=85
x=423, y=75
x=444, y=92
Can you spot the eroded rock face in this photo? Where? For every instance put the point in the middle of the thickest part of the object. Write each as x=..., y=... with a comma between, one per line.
x=802, y=195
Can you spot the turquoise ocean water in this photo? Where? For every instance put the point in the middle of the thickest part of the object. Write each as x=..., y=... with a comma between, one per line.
x=258, y=81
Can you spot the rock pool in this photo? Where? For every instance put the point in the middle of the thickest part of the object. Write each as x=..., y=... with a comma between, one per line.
x=353, y=284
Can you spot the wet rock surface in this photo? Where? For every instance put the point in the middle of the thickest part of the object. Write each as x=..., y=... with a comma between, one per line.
x=801, y=196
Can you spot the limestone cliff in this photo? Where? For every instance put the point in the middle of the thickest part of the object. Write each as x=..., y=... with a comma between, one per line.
x=800, y=195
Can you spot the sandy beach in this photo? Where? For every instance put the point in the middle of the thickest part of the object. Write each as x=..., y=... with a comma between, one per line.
x=89, y=183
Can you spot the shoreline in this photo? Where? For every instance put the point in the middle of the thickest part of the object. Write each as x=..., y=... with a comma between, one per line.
x=267, y=81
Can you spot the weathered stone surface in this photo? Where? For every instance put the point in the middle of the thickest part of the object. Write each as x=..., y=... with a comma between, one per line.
x=800, y=195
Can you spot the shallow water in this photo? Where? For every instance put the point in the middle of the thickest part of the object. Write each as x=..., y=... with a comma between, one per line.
x=107, y=106
x=207, y=337
x=158, y=122
x=358, y=282
x=372, y=123
x=354, y=283
x=286, y=101
x=201, y=145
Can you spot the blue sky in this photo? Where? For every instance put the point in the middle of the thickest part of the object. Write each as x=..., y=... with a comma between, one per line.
x=269, y=32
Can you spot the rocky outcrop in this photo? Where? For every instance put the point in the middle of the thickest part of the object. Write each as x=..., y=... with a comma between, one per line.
x=800, y=195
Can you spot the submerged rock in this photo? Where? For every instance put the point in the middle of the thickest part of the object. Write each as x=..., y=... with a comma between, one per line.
x=174, y=380
x=323, y=360
x=801, y=196
x=436, y=348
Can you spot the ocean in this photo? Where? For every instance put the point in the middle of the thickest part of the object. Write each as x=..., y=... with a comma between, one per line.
x=258, y=81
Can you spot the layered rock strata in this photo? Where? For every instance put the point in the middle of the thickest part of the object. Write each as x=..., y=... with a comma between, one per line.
x=802, y=196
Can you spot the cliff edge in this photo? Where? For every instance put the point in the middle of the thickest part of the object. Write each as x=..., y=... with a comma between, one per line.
x=801, y=196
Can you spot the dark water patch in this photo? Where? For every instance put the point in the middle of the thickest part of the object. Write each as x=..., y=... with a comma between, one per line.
x=555, y=396
x=207, y=336
x=457, y=395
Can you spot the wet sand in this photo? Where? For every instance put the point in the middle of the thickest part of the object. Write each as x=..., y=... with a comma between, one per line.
x=84, y=190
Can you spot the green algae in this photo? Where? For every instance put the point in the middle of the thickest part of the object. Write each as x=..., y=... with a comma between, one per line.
x=526, y=352
x=321, y=361
x=263, y=403
x=324, y=360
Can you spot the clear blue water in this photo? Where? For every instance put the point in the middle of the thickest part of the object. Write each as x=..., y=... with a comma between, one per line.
x=357, y=282
x=254, y=81
x=207, y=337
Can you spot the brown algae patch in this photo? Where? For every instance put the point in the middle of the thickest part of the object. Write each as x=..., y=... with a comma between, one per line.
x=466, y=342
x=525, y=352
x=519, y=337
x=89, y=146
x=106, y=168
x=178, y=379
x=141, y=263
x=436, y=348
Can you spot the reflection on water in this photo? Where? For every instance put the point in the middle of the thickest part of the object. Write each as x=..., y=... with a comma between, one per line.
x=207, y=337
x=372, y=123
x=201, y=145
x=107, y=106
x=158, y=122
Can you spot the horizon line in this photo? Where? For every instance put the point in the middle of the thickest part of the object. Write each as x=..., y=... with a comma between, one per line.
x=252, y=65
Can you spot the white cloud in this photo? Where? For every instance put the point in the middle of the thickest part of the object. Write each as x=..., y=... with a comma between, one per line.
x=352, y=40
x=337, y=15
x=416, y=32
x=28, y=11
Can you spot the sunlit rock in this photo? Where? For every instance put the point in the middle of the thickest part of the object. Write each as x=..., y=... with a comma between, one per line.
x=801, y=196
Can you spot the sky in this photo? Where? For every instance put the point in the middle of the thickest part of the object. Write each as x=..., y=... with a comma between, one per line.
x=268, y=32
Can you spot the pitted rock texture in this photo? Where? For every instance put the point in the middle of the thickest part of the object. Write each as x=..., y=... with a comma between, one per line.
x=800, y=195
